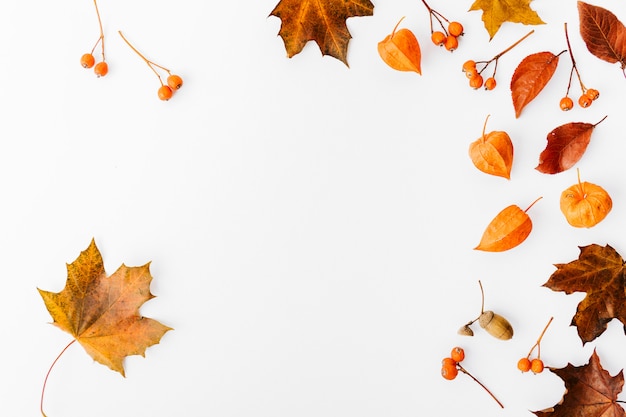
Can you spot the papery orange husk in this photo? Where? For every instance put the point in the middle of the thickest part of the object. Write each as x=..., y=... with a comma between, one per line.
x=508, y=229
x=585, y=204
x=401, y=50
x=493, y=153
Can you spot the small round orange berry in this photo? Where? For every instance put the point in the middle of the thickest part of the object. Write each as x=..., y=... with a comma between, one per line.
x=585, y=101
x=566, y=103
x=490, y=83
x=457, y=354
x=175, y=82
x=536, y=365
x=471, y=73
x=476, y=81
x=101, y=69
x=438, y=37
x=592, y=93
x=451, y=43
x=455, y=29
x=449, y=372
x=468, y=65
x=87, y=61
x=165, y=92
x=523, y=364
x=448, y=362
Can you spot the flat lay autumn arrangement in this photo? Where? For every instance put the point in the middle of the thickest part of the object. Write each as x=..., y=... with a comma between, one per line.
x=320, y=208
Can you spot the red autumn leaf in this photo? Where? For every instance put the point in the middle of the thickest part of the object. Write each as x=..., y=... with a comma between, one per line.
x=590, y=391
x=603, y=33
x=599, y=271
x=322, y=21
x=530, y=77
x=566, y=145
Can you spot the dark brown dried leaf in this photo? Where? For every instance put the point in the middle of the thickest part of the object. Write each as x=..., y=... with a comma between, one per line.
x=603, y=33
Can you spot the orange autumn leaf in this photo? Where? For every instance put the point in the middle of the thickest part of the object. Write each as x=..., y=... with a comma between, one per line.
x=530, y=77
x=493, y=153
x=496, y=12
x=102, y=313
x=508, y=229
x=401, y=50
x=322, y=21
x=566, y=145
x=603, y=33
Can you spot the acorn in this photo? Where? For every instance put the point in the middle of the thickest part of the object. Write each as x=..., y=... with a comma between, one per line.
x=496, y=325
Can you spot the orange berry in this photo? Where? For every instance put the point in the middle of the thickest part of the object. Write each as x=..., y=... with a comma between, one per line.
x=449, y=372
x=490, y=83
x=585, y=101
x=448, y=362
x=469, y=65
x=566, y=103
x=476, y=81
x=165, y=92
x=451, y=43
x=101, y=69
x=455, y=29
x=536, y=365
x=592, y=93
x=457, y=354
x=471, y=73
x=438, y=38
x=175, y=82
x=523, y=364
x=87, y=60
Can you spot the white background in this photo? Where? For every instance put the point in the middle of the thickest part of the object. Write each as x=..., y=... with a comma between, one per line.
x=310, y=226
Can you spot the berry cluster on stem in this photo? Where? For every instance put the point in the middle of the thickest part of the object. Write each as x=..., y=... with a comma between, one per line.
x=588, y=95
x=88, y=60
x=450, y=32
x=536, y=364
x=474, y=75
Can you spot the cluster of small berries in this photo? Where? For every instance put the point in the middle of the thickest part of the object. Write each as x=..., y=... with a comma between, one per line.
x=584, y=101
x=449, y=40
x=475, y=78
x=535, y=365
x=89, y=61
x=450, y=365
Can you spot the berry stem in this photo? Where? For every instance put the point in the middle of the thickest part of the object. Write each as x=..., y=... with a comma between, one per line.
x=574, y=67
x=538, y=342
x=101, y=38
x=481, y=384
x=434, y=13
x=48, y=374
x=496, y=57
x=532, y=204
x=153, y=64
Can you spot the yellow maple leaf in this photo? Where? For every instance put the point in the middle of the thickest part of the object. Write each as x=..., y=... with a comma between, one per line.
x=322, y=21
x=496, y=12
x=102, y=313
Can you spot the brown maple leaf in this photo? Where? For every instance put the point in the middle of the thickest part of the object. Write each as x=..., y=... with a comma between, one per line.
x=496, y=12
x=322, y=21
x=590, y=391
x=599, y=271
x=603, y=33
x=102, y=313
x=566, y=145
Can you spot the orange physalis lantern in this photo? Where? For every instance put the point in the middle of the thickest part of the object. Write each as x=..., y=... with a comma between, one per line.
x=401, y=50
x=493, y=153
x=585, y=204
x=508, y=229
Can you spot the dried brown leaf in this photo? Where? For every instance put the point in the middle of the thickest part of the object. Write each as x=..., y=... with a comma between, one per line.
x=530, y=77
x=603, y=33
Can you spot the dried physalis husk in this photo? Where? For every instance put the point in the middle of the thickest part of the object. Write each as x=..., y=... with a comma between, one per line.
x=508, y=229
x=492, y=153
x=401, y=50
x=585, y=204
